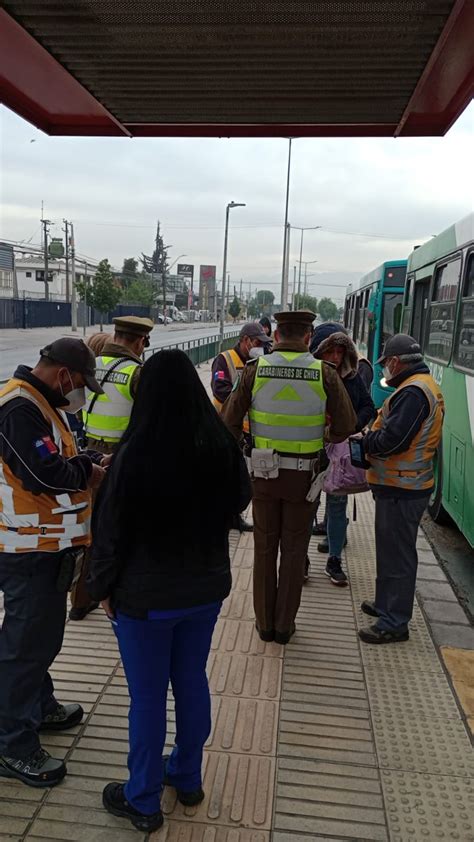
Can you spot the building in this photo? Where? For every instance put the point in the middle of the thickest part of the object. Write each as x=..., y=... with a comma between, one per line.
x=29, y=274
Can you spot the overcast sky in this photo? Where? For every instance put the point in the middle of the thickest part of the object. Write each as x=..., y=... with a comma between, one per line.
x=114, y=190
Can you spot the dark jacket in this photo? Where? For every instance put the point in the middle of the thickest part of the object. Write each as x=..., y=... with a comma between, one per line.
x=221, y=384
x=194, y=572
x=408, y=410
x=41, y=470
x=360, y=398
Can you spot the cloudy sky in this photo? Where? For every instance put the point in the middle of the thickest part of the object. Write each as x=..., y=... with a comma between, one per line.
x=399, y=192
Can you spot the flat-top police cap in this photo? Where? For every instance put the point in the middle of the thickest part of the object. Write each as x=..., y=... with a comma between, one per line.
x=295, y=317
x=75, y=355
x=134, y=324
x=401, y=345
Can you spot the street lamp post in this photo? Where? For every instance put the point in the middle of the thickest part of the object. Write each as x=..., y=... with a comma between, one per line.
x=286, y=237
x=224, y=267
x=309, y=228
x=306, y=264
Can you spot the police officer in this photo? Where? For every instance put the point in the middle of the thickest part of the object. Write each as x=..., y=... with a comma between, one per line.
x=106, y=416
x=400, y=448
x=45, y=509
x=225, y=371
x=290, y=397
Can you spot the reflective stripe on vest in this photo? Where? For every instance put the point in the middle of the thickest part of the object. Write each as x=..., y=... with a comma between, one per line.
x=288, y=409
x=111, y=412
x=411, y=470
x=41, y=522
x=234, y=365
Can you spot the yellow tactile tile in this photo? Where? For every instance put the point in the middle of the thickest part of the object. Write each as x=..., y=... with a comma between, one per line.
x=460, y=665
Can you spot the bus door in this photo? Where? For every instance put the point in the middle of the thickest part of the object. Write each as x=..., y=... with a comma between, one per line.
x=420, y=308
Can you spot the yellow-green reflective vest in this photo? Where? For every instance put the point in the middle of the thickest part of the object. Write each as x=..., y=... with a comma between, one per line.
x=111, y=411
x=288, y=410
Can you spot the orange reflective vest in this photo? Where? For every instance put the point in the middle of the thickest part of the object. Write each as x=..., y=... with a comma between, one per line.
x=411, y=470
x=234, y=364
x=41, y=522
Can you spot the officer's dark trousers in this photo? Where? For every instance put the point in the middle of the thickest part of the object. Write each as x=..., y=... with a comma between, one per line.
x=282, y=521
x=396, y=530
x=30, y=638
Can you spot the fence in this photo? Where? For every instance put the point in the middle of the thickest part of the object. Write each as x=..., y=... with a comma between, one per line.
x=27, y=313
x=199, y=350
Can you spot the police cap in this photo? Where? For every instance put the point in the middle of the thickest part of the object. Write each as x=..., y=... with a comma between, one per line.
x=401, y=345
x=134, y=324
x=295, y=317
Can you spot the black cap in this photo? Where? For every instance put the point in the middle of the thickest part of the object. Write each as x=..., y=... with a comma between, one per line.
x=76, y=356
x=401, y=345
x=254, y=330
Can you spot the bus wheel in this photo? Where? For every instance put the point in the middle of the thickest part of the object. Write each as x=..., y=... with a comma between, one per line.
x=435, y=506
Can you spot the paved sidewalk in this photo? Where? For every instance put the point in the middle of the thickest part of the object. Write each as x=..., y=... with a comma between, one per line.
x=325, y=739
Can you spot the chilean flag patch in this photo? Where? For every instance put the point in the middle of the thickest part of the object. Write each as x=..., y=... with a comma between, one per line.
x=45, y=446
x=219, y=375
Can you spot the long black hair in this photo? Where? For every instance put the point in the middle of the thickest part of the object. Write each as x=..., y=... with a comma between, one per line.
x=178, y=464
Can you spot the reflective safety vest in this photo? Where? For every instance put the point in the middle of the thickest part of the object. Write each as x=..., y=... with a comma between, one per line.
x=411, y=470
x=41, y=522
x=288, y=410
x=234, y=364
x=111, y=411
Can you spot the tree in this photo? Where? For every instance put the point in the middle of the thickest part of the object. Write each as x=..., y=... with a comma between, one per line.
x=306, y=302
x=140, y=291
x=102, y=293
x=129, y=270
x=264, y=298
x=234, y=309
x=157, y=264
x=253, y=308
x=327, y=309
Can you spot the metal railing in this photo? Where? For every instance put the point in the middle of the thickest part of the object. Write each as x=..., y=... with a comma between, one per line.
x=199, y=350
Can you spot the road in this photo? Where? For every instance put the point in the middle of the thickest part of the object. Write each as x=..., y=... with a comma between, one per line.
x=456, y=558
x=22, y=346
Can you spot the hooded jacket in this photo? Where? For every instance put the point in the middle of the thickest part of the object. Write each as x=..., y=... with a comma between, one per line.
x=360, y=398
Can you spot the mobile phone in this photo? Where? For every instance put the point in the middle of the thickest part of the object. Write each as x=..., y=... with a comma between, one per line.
x=357, y=453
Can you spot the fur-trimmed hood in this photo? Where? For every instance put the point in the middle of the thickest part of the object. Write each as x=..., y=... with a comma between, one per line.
x=350, y=362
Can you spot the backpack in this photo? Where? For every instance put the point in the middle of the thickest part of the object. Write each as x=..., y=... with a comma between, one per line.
x=342, y=477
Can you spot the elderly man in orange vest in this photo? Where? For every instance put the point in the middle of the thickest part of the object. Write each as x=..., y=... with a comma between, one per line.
x=45, y=512
x=400, y=449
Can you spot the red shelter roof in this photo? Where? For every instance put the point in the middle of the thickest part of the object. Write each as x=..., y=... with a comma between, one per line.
x=246, y=68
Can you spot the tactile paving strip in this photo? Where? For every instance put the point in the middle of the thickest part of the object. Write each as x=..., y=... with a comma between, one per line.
x=416, y=694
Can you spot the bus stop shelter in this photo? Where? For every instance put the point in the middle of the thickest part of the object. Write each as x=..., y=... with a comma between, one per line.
x=177, y=68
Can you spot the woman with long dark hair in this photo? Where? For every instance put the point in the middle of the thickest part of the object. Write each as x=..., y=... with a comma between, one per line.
x=160, y=566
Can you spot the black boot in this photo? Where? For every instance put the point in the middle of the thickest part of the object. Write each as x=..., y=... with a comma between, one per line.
x=114, y=801
x=188, y=799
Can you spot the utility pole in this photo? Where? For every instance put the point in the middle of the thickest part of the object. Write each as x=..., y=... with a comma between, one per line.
x=240, y=296
x=224, y=268
x=73, y=285
x=46, y=223
x=286, y=245
x=294, y=288
x=66, y=237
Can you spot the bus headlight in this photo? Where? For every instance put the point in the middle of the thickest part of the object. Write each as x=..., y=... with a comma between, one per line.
x=383, y=383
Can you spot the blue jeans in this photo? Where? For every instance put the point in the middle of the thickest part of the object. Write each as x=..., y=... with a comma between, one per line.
x=336, y=508
x=154, y=652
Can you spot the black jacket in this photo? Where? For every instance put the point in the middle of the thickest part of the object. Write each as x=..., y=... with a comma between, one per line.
x=194, y=572
x=408, y=410
x=361, y=401
x=34, y=461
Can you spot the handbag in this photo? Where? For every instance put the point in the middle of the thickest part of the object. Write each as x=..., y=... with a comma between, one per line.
x=342, y=477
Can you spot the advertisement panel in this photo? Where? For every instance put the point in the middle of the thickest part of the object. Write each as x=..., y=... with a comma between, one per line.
x=207, y=287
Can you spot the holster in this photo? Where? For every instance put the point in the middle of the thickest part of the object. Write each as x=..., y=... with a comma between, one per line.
x=264, y=463
x=316, y=484
x=70, y=569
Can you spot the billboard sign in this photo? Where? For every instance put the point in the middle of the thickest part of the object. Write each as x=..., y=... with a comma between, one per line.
x=207, y=287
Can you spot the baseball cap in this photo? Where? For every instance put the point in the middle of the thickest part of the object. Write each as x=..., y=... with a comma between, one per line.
x=75, y=355
x=254, y=330
x=401, y=345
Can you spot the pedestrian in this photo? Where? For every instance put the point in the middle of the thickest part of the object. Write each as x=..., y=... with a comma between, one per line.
x=225, y=371
x=45, y=507
x=290, y=397
x=266, y=325
x=160, y=564
x=325, y=329
x=339, y=349
x=105, y=417
x=400, y=448
x=97, y=341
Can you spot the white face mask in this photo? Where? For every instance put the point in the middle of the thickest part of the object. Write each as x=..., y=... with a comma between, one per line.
x=387, y=373
x=256, y=352
x=76, y=398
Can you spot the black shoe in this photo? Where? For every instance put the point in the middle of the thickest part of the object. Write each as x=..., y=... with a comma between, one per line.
x=306, y=569
x=64, y=717
x=114, y=801
x=80, y=613
x=335, y=571
x=284, y=637
x=319, y=529
x=375, y=635
x=188, y=799
x=369, y=608
x=266, y=636
x=39, y=769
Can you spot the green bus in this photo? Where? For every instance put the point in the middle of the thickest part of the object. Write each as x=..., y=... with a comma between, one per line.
x=372, y=313
x=438, y=311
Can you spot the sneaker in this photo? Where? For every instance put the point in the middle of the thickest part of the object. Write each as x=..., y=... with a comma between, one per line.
x=306, y=569
x=319, y=529
x=244, y=525
x=81, y=613
x=188, y=799
x=39, y=769
x=284, y=637
x=64, y=717
x=375, y=635
x=266, y=636
x=114, y=801
x=369, y=608
x=335, y=571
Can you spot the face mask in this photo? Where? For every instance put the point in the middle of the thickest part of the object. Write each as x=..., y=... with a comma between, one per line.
x=76, y=398
x=256, y=352
x=387, y=373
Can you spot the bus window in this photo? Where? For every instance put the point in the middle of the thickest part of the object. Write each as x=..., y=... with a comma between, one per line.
x=408, y=304
x=442, y=310
x=420, y=310
x=464, y=351
x=392, y=314
x=355, y=332
x=395, y=276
